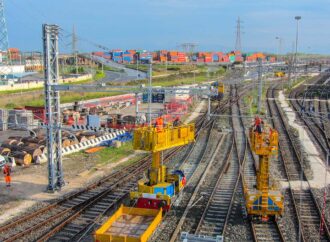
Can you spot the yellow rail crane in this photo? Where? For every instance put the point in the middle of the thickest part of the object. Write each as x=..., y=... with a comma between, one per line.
x=160, y=186
x=155, y=193
x=265, y=201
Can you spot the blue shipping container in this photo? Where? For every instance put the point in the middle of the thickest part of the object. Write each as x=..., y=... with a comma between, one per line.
x=127, y=58
x=117, y=53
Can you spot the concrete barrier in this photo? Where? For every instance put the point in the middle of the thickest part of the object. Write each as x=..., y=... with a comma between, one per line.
x=83, y=145
x=88, y=128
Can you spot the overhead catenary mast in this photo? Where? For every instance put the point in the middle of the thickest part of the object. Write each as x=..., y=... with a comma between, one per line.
x=5, y=54
x=238, y=44
x=74, y=48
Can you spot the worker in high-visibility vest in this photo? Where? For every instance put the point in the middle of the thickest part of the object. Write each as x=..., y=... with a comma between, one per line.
x=257, y=124
x=159, y=123
x=7, y=173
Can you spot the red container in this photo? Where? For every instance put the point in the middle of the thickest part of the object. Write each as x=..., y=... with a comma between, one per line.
x=38, y=112
x=99, y=53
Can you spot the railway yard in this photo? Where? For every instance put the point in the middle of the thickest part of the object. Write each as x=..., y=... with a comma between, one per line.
x=181, y=144
x=220, y=168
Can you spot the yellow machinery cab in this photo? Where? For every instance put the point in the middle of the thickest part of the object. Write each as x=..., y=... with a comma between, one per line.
x=221, y=88
x=264, y=201
x=279, y=74
x=157, y=190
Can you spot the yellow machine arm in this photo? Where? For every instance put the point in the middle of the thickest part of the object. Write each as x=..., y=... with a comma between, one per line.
x=263, y=201
x=157, y=140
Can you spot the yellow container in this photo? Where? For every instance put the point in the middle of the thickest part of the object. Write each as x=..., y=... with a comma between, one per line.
x=151, y=139
x=129, y=224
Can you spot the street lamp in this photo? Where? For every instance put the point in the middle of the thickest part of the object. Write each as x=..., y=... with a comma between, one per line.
x=279, y=46
x=297, y=18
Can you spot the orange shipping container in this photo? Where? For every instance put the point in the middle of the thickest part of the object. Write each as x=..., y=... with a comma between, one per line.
x=13, y=50
x=163, y=59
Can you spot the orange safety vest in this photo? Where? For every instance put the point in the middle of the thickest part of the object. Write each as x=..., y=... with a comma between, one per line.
x=159, y=123
x=6, y=170
x=257, y=121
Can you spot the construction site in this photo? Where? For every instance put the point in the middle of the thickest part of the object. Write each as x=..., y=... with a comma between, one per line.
x=162, y=145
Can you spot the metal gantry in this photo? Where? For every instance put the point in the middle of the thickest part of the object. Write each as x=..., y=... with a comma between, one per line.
x=4, y=43
x=3, y=29
x=52, y=107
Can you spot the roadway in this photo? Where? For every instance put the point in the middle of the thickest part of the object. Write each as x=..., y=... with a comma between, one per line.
x=127, y=74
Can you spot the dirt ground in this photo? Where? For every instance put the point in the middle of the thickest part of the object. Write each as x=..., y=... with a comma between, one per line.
x=29, y=184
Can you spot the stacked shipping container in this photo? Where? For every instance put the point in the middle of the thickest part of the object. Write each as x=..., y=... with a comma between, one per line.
x=143, y=56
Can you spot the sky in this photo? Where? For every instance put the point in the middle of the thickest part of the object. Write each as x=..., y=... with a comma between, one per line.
x=165, y=24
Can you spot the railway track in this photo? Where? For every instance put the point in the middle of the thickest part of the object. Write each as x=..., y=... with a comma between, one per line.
x=104, y=194
x=209, y=207
x=194, y=165
x=217, y=211
x=318, y=128
x=66, y=229
x=73, y=215
x=307, y=210
x=35, y=225
x=260, y=231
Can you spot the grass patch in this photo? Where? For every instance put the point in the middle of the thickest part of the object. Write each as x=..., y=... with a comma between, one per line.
x=112, y=154
x=163, y=69
x=20, y=91
x=182, y=78
x=66, y=97
x=251, y=100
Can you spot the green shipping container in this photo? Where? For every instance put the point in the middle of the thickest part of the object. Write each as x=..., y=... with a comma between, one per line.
x=232, y=58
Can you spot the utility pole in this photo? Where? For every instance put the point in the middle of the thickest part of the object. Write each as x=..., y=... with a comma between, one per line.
x=5, y=60
x=297, y=18
x=290, y=66
x=52, y=107
x=279, y=47
x=259, y=85
x=189, y=48
x=74, y=48
x=238, y=44
x=150, y=92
